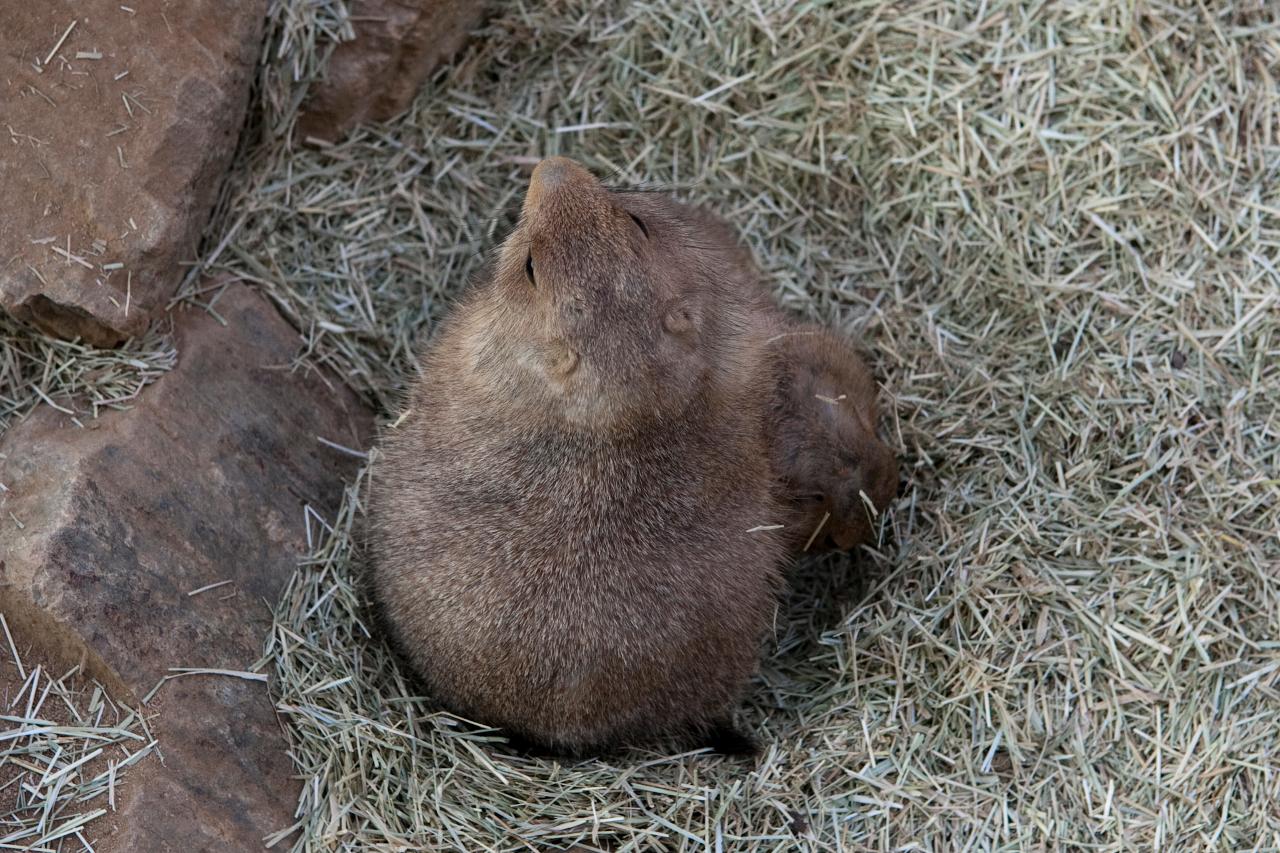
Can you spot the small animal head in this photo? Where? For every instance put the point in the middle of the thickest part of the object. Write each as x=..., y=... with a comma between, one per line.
x=860, y=478
x=601, y=302
x=839, y=473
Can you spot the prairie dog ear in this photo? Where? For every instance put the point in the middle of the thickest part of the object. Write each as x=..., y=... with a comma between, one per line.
x=561, y=359
x=682, y=318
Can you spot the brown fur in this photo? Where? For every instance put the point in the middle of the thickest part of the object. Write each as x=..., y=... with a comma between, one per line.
x=567, y=523
x=825, y=447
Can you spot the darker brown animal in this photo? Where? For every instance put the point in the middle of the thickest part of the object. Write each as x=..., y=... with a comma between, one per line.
x=575, y=523
x=835, y=472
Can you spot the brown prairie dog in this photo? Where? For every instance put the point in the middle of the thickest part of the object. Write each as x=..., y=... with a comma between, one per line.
x=835, y=471
x=574, y=527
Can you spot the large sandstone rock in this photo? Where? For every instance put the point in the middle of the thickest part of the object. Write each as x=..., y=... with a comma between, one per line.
x=105, y=529
x=121, y=119
x=375, y=76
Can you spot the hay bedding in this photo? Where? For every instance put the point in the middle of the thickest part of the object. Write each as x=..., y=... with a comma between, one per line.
x=1056, y=226
x=64, y=745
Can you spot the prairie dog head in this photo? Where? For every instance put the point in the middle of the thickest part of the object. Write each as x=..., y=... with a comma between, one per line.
x=605, y=307
x=840, y=473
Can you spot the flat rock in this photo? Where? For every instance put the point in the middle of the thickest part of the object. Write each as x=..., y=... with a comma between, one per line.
x=121, y=121
x=375, y=76
x=105, y=529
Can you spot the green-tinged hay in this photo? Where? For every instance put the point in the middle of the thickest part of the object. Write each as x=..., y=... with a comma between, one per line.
x=1056, y=226
x=36, y=368
x=63, y=751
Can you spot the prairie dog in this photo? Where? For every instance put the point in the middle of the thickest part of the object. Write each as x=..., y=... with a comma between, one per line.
x=575, y=525
x=835, y=471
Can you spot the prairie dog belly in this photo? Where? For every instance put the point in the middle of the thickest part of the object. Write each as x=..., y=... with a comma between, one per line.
x=575, y=621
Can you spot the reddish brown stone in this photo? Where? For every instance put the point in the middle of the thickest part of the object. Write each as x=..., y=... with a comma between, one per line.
x=117, y=141
x=376, y=75
x=105, y=529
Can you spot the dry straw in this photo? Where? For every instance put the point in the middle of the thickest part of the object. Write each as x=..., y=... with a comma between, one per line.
x=1056, y=226
x=62, y=753
x=75, y=377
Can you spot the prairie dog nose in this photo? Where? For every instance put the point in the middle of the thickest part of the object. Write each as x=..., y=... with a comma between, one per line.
x=555, y=176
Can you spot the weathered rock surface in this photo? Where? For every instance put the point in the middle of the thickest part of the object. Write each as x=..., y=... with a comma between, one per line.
x=105, y=529
x=121, y=121
x=376, y=75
